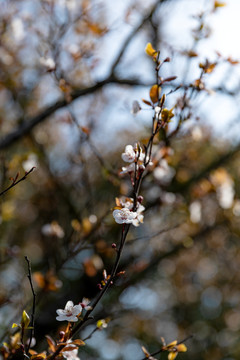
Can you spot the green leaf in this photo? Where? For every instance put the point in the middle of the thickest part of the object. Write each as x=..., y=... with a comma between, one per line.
x=14, y=325
x=25, y=319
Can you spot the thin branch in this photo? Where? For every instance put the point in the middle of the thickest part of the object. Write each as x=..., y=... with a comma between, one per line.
x=125, y=230
x=164, y=349
x=14, y=183
x=33, y=304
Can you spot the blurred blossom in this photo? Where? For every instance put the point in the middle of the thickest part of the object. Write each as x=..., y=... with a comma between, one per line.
x=48, y=62
x=18, y=29
x=224, y=187
x=168, y=197
x=85, y=304
x=225, y=194
x=30, y=162
x=163, y=172
x=236, y=208
x=197, y=133
x=33, y=342
x=53, y=229
x=195, y=211
x=71, y=4
x=135, y=107
x=71, y=355
x=93, y=219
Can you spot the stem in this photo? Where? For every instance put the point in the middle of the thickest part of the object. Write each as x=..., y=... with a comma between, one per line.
x=33, y=305
x=17, y=182
x=125, y=230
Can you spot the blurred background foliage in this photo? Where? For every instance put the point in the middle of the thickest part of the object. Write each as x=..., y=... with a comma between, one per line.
x=69, y=72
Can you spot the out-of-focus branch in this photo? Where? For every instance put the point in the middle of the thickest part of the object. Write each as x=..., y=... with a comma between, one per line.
x=132, y=34
x=29, y=124
x=183, y=187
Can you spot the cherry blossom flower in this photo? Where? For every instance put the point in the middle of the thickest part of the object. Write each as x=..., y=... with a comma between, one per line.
x=69, y=313
x=71, y=354
x=53, y=229
x=129, y=169
x=164, y=172
x=85, y=304
x=124, y=216
x=129, y=155
x=48, y=62
x=139, y=218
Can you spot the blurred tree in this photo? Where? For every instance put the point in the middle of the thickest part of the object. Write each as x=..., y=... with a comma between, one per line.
x=69, y=71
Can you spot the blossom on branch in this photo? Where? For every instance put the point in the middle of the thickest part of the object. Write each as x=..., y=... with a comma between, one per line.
x=85, y=304
x=124, y=216
x=129, y=155
x=70, y=312
x=71, y=354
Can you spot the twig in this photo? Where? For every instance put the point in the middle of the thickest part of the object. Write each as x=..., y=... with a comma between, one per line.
x=33, y=304
x=125, y=230
x=162, y=349
x=17, y=182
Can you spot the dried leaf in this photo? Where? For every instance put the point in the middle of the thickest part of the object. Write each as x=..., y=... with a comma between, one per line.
x=51, y=343
x=78, y=342
x=146, y=102
x=154, y=93
x=218, y=4
x=39, y=356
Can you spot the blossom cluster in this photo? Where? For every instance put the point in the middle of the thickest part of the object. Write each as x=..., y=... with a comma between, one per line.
x=136, y=157
x=124, y=213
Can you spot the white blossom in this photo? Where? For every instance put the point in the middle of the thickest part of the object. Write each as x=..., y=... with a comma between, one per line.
x=85, y=304
x=124, y=216
x=49, y=63
x=225, y=194
x=30, y=162
x=18, y=29
x=53, y=229
x=163, y=172
x=129, y=169
x=195, y=211
x=71, y=354
x=69, y=313
x=139, y=218
x=129, y=154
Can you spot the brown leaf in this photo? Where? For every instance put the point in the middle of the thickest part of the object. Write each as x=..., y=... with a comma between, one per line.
x=154, y=93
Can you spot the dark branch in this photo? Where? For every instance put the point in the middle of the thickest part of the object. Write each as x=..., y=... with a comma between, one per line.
x=14, y=183
x=29, y=124
x=33, y=305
